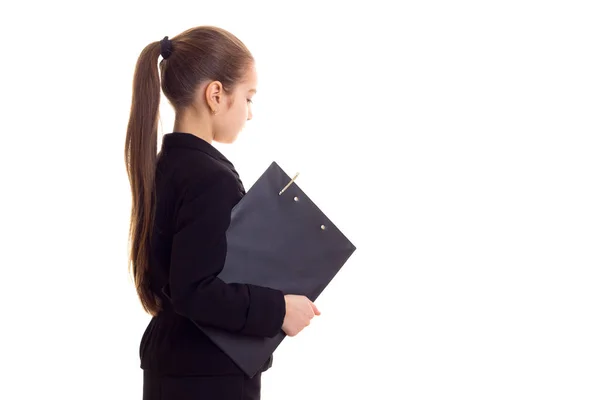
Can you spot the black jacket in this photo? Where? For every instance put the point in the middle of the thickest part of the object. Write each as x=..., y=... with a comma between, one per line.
x=196, y=188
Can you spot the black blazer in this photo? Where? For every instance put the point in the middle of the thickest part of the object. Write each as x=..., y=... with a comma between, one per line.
x=196, y=189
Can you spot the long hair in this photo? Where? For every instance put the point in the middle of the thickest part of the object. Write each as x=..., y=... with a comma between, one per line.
x=198, y=55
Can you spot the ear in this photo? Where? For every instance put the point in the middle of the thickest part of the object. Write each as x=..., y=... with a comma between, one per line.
x=214, y=96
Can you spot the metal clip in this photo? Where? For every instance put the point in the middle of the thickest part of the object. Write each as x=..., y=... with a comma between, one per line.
x=288, y=185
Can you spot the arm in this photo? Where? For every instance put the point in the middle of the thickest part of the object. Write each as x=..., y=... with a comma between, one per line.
x=198, y=256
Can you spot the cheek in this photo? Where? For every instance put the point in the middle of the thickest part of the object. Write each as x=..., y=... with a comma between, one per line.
x=236, y=120
x=244, y=110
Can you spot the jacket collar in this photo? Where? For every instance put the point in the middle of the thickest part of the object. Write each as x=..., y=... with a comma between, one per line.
x=187, y=140
x=190, y=141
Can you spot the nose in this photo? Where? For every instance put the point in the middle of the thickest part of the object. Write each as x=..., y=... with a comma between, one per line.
x=249, y=115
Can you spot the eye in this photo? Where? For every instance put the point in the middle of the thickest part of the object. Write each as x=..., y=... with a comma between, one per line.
x=249, y=100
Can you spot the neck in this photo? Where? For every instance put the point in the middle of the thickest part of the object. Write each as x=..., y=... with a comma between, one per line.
x=195, y=123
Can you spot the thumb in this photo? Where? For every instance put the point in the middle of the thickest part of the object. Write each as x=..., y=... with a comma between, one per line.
x=315, y=309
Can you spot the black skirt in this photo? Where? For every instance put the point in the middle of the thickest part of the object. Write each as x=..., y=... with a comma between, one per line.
x=200, y=387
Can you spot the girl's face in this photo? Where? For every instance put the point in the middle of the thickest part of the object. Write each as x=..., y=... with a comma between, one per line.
x=229, y=122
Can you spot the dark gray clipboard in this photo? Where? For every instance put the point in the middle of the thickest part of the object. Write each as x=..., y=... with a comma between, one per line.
x=278, y=238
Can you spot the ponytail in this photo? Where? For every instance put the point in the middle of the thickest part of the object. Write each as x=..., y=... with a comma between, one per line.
x=140, y=161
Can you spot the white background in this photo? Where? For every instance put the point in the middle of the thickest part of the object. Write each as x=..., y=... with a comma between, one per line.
x=455, y=143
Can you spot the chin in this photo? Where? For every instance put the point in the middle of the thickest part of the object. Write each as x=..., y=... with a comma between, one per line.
x=232, y=139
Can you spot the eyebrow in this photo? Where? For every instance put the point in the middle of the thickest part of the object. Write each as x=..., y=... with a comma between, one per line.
x=252, y=90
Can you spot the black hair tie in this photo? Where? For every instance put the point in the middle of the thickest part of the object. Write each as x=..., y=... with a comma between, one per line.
x=166, y=47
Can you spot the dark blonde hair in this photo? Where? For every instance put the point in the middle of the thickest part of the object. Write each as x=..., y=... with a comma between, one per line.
x=196, y=55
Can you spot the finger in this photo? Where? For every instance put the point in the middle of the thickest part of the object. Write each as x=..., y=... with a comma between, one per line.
x=315, y=309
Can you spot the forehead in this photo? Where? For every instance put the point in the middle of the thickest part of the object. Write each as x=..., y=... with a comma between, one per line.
x=250, y=79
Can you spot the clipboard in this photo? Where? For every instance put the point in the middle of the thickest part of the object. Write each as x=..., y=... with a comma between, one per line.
x=279, y=238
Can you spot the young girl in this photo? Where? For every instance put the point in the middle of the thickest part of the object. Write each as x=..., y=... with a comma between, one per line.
x=182, y=199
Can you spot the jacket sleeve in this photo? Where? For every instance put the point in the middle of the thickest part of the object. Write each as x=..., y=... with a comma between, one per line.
x=198, y=255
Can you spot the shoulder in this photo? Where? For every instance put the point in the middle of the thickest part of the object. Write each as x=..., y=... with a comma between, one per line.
x=206, y=199
x=215, y=188
x=219, y=183
x=204, y=204
x=197, y=172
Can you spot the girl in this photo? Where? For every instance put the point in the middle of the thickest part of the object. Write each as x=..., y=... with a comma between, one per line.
x=182, y=199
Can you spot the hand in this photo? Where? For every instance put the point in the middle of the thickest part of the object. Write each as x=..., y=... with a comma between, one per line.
x=299, y=310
